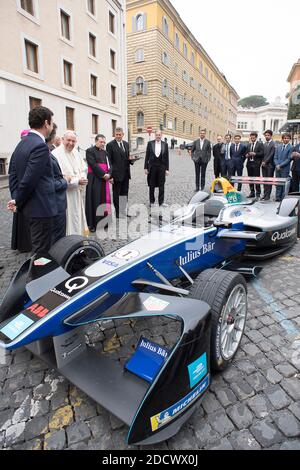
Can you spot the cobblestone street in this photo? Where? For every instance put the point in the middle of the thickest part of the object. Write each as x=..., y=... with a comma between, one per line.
x=254, y=404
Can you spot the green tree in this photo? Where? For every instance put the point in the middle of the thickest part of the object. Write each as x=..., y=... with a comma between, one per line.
x=253, y=101
x=294, y=104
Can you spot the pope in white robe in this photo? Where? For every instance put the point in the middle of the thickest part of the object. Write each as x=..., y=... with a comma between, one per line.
x=74, y=169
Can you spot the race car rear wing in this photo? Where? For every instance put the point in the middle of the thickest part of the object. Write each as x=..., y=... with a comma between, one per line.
x=262, y=180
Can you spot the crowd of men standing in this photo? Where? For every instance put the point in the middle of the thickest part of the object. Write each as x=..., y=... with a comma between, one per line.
x=265, y=159
x=56, y=192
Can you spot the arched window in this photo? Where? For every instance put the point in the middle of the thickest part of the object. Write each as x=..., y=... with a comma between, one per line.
x=139, y=22
x=139, y=55
x=140, y=119
x=165, y=58
x=140, y=86
x=193, y=58
x=185, y=50
x=165, y=88
x=201, y=67
x=165, y=26
x=177, y=41
x=165, y=120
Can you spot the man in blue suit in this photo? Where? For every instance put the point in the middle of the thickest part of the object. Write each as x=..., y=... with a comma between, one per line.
x=296, y=169
x=282, y=160
x=238, y=156
x=31, y=180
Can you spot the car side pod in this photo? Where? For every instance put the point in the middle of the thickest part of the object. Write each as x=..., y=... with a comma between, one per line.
x=241, y=234
x=154, y=412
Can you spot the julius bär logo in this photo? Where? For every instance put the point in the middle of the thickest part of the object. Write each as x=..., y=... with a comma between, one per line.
x=38, y=310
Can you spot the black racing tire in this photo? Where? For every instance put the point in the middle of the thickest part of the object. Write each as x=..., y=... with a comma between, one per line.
x=75, y=252
x=215, y=288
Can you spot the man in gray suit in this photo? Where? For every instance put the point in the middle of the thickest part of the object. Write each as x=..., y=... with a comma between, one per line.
x=268, y=165
x=201, y=155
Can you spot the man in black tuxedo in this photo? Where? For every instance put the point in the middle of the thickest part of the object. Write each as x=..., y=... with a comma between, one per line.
x=268, y=165
x=217, y=156
x=255, y=154
x=120, y=161
x=201, y=155
x=157, y=167
x=31, y=180
x=238, y=156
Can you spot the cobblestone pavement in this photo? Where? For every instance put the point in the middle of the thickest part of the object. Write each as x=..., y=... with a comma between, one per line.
x=254, y=404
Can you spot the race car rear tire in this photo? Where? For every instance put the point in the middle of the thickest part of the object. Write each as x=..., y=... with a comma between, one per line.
x=75, y=252
x=226, y=293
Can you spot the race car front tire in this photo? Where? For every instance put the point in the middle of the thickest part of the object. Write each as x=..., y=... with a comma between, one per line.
x=75, y=252
x=226, y=293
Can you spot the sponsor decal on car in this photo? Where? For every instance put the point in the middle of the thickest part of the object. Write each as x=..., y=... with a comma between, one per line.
x=38, y=310
x=192, y=255
x=164, y=417
x=126, y=255
x=72, y=284
x=60, y=293
x=233, y=197
x=154, y=304
x=42, y=262
x=17, y=326
x=197, y=370
x=279, y=236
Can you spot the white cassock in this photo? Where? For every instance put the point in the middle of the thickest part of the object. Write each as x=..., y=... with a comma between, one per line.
x=73, y=165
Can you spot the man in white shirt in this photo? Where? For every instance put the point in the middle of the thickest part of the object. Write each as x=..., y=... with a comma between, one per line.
x=157, y=167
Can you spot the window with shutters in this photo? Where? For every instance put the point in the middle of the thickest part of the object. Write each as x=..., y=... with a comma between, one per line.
x=34, y=102
x=112, y=59
x=32, y=61
x=139, y=55
x=92, y=45
x=112, y=23
x=27, y=5
x=70, y=118
x=68, y=73
x=91, y=7
x=94, y=85
x=95, y=124
x=140, y=119
x=113, y=94
x=65, y=22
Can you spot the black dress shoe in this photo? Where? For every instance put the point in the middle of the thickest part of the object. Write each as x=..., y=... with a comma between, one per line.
x=251, y=195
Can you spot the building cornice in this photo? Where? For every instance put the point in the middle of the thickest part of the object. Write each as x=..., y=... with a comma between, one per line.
x=55, y=92
x=297, y=64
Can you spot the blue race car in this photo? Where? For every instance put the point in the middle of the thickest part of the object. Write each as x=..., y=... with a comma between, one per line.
x=183, y=272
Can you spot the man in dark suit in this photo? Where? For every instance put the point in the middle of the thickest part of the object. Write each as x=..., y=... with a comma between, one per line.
x=217, y=156
x=120, y=161
x=238, y=155
x=226, y=154
x=282, y=160
x=268, y=165
x=31, y=180
x=61, y=186
x=201, y=155
x=157, y=167
x=255, y=154
x=296, y=169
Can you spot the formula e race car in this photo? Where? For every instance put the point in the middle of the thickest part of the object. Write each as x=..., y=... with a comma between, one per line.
x=55, y=295
x=278, y=221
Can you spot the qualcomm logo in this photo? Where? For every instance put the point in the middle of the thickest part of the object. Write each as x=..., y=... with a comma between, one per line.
x=277, y=236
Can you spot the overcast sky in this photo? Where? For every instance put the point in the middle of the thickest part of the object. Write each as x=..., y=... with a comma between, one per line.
x=253, y=43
